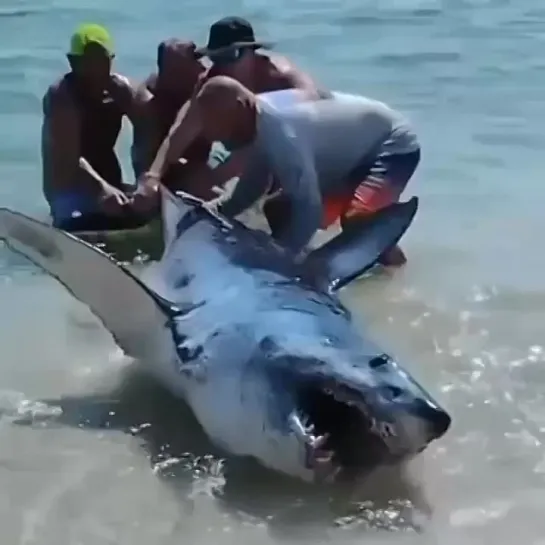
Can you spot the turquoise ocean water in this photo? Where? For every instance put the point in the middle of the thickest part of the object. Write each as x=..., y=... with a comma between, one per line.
x=466, y=314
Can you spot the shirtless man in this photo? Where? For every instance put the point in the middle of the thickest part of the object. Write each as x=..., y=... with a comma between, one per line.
x=331, y=158
x=178, y=70
x=233, y=50
x=82, y=116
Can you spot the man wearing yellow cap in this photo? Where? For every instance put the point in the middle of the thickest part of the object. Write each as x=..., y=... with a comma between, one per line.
x=82, y=119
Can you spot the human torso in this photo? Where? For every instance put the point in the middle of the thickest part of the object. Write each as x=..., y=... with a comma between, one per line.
x=275, y=73
x=166, y=109
x=341, y=132
x=100, y=120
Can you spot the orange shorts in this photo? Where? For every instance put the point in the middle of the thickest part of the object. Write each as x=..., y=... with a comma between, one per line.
x=383, y=182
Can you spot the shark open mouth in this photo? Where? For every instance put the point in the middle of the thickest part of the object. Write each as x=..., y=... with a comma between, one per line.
x=340, y=437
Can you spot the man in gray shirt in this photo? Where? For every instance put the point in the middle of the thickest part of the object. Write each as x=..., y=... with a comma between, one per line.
x=329, y=158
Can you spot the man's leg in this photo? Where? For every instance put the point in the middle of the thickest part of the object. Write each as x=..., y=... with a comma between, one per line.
x=277, y=210
x=383, y=186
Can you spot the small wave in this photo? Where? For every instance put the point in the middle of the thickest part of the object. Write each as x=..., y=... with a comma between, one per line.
x=414, y=17
x=20, y=12
x=418, y=58
x=17, y=408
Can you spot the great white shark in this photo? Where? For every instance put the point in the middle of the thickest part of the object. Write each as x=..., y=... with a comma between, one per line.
x=256, y=342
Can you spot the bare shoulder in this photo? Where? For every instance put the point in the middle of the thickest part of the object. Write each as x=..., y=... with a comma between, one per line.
x=57, y=95
x=124, y=81
x=289, y=76
x=129, y=92
x=124, y=84
x=282, y=65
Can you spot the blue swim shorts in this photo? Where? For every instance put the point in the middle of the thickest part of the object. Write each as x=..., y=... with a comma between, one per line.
x=68, y=205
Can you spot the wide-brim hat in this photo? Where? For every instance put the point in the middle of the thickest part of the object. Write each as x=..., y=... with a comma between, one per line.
x=232, y=33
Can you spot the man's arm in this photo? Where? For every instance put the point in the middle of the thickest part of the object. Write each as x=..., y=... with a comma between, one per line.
x=146, y=139
x=292, y=163
x=183, y=132
x=279, y=151
x=60, y=142
x=138, y=107
x=250, y=187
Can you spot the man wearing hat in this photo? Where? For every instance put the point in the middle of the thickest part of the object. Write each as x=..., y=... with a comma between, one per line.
x=233, y=51
x=82, y=118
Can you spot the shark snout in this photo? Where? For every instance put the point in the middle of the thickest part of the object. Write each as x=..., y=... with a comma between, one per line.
x=437, y=421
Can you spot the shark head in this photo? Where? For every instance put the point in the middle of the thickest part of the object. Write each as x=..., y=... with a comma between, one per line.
x=317, y=413
x=304, y=407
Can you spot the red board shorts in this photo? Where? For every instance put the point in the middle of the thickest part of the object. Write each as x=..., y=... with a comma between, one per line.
x=378, y=183
x=381, y=184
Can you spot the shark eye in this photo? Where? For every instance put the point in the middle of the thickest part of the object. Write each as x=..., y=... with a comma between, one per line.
x=392, y=392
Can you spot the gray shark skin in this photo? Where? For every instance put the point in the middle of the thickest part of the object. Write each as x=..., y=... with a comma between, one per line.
x=257, y=343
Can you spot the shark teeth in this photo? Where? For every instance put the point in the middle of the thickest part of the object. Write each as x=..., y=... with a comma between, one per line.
x=318, y=457
x=299, y=426
x=319, y=442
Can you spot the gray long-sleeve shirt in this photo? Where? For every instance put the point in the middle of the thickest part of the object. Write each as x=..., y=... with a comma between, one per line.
x=310, y=148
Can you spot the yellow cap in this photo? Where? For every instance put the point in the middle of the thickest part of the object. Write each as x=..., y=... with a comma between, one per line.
x=90, y=34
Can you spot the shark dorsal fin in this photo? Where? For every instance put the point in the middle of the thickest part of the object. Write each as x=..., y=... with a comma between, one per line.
x=173, y=209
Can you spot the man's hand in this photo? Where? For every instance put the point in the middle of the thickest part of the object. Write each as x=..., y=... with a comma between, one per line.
x=113, y=200
x=146, y=198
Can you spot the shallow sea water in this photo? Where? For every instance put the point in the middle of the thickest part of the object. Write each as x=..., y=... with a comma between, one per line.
x=104, y=461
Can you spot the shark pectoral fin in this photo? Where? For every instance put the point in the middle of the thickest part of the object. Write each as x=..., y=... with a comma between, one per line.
x=357, y=249
x=126, y=307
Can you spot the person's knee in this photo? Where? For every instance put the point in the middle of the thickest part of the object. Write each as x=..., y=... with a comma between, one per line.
x=403, y=170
